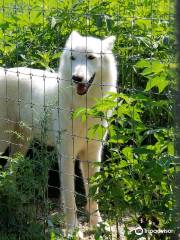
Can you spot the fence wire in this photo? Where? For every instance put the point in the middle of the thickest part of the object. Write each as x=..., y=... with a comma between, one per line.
x=87, y=93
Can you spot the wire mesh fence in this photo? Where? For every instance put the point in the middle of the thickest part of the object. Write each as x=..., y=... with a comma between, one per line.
x=87, y=141
x=177, y=175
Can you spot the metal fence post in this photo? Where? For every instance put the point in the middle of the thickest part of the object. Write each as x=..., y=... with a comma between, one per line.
x=177, y=161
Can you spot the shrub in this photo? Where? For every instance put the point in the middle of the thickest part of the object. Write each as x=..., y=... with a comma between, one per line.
x=138, y=171
x=137, y=177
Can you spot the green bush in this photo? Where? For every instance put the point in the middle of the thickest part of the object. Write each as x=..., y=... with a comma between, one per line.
x=137, y=175
x=17, y=199
x=24, y=206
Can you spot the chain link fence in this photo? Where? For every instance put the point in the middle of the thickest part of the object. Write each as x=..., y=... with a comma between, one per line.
x=110, y=97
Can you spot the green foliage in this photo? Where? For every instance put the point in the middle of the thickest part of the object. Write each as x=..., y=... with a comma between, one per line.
x=138, y=173
x=34, y=32
x=23, y=190
x=158, y=74
x=18, y=188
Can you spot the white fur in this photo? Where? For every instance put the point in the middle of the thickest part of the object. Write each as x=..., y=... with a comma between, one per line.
x=25, y=93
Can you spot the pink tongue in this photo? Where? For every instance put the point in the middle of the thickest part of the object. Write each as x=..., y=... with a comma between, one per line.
x=81, y=88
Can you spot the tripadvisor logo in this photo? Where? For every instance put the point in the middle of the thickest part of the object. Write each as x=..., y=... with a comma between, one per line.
x=139, y=231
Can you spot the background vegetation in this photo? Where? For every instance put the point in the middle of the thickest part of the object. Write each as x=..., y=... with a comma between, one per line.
x=137, y=176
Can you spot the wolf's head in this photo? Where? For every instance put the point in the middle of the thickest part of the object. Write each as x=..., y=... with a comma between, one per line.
x=83, y=59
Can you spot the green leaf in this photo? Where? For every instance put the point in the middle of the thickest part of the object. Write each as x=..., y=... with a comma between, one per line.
x=78, y=112
x=143, y=64
x=162, y=85
x=115, y=136
x=56, y=56
x=150, y=67
x=4, y=26
x=127, y=99
x=171, y=148
x=128, y=153
x=143, y=150
x=123, y=164
x=96, y=132
x=158, y=81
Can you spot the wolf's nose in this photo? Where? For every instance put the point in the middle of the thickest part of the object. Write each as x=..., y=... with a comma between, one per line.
x=77, y=79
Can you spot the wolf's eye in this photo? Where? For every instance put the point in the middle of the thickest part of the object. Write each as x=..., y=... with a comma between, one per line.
x=91, y=57
x=72, y=58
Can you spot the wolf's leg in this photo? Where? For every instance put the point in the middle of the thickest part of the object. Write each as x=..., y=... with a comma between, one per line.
x=88, y=156
x=20, y=140
x=66, y=167
x=18, y=147
x=10, y=143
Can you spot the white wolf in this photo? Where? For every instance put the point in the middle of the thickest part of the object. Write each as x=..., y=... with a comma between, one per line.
x=87, y=71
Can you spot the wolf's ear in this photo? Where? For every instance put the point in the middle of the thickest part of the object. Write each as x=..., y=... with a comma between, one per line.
x=74, y=35
x=108, y=43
